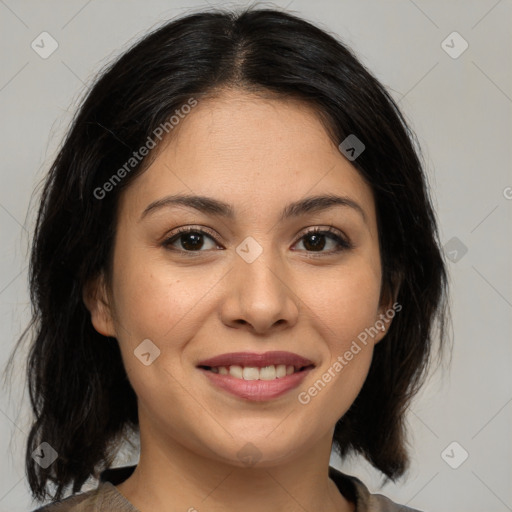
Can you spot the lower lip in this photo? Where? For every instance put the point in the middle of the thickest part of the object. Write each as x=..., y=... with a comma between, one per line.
x=256, y=390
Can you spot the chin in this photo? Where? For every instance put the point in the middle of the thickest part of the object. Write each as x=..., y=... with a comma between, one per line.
x=259, y=452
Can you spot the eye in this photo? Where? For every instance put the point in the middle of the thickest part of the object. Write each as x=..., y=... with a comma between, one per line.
x=192, y=240
x=314, y=240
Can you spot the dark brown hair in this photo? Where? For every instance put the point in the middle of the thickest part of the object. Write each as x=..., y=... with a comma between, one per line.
x=82, y=400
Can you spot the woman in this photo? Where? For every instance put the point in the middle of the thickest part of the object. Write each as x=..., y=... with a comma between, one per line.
x=235, y=258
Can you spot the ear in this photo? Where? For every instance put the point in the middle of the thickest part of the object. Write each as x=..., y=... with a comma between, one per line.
x=383, y=322
x=96, y=300
x=389, y=307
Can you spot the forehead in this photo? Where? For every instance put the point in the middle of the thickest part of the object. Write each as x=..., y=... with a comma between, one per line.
x=255, y=153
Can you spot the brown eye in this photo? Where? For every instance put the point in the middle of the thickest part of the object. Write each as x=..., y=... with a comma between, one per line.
x=315, y=241
x=190, y=240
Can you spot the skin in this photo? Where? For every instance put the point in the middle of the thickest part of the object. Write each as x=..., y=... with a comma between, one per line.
x=258, y=155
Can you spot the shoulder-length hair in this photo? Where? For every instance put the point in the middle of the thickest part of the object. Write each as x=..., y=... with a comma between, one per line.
x=82, y=400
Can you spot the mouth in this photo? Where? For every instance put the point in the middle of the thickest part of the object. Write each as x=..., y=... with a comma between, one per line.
x=270, y=372
x=253, y=366
x=256, y=377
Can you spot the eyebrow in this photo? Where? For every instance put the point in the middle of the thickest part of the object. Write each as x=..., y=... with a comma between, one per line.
x=209, y=205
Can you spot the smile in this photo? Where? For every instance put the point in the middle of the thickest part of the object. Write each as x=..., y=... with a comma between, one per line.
x=270, y=372
x=255, y=388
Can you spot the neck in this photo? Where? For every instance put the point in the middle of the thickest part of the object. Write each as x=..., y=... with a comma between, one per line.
x=170, y=473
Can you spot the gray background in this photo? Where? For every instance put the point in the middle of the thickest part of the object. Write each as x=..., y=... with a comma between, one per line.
x=461, y=111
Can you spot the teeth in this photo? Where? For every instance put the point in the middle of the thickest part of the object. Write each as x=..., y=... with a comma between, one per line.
x=236, y=371
x=268, y=373
x=281, y=371
x=252, y=373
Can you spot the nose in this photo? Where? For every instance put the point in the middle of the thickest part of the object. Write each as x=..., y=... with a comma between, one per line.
x=260, y=295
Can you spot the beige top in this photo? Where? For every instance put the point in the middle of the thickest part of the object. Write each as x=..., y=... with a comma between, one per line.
x=106, y=497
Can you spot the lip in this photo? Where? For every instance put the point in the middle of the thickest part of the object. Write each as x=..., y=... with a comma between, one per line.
x=257, y=360
x=256, y=390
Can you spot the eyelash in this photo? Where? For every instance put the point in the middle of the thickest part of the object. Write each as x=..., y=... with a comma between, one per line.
x=342, y=243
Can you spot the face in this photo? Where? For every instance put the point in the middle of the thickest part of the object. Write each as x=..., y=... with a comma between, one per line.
x=257, y=281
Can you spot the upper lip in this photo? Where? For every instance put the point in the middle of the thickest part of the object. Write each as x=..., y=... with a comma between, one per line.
x=254, y=359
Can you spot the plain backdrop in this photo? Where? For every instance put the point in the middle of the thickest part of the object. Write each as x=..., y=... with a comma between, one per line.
x=459, y=102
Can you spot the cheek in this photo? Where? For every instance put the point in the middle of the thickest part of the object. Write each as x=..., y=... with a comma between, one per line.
x=347, y=301
x=152, y=299
x=157, y=305
x=345, y=311
x=344, y=304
